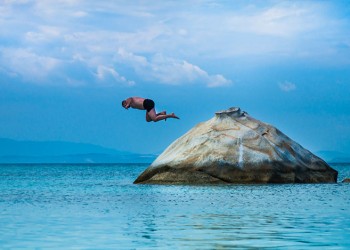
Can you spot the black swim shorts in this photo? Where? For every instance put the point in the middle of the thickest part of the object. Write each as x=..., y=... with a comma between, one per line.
x=148, y=104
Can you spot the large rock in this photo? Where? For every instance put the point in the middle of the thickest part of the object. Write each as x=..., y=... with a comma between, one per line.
x=233, y=147
x=346, y=180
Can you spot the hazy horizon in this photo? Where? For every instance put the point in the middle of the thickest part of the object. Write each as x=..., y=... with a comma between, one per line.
x=13, y=151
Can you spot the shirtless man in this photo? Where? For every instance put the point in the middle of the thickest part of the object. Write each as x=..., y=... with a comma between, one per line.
x=148, y=105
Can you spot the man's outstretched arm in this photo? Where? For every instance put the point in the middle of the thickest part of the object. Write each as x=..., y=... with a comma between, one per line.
x=128, y=102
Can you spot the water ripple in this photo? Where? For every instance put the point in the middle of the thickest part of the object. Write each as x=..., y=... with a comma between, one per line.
x=97, y=206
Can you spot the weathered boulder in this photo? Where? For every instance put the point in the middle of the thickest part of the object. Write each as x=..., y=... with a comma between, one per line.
x=233, y=147
x=346, y=180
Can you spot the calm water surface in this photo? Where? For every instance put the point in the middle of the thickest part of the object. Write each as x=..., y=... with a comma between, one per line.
x=98, y=207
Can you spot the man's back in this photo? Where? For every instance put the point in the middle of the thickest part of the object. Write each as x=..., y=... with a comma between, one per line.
x=137, y=102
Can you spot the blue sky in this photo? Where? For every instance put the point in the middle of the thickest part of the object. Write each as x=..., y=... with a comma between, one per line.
x=66, y=65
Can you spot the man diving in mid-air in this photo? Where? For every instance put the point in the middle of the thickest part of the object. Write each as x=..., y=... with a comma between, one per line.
x=148, y=105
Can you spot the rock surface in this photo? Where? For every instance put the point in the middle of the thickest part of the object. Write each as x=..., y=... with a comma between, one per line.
x=233, y=147
x=346, y=180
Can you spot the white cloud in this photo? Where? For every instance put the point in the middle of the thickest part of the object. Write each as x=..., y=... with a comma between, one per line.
x=79, y=14
x=104, y=73
x=283, y=21
x=161, y=40
x=218, y=80
x=294, y=30
x=16, y=1
x=287, y=86
x=27, y=64
x=44, y=34
x=169, y=70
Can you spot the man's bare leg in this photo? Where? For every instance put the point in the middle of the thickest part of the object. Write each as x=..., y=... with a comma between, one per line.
x=152, y=114
x=164, y=117
x=162, y=113
x=148, y=118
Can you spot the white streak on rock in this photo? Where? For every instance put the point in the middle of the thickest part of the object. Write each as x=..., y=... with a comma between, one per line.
x=240, y=159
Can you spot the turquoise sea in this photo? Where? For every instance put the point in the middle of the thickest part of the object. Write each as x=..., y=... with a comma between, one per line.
x=98, y=207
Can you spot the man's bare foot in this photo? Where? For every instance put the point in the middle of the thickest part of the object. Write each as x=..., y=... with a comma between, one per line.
x=172, y=115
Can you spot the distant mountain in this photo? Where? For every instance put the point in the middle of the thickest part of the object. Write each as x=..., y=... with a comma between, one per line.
x=12, y=151
x=334, y=156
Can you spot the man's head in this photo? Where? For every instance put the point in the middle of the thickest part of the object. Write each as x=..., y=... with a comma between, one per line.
x=124, y=103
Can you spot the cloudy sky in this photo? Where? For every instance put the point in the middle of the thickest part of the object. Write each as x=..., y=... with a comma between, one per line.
x=66, y=65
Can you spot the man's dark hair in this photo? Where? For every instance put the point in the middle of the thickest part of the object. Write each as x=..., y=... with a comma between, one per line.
x=123, y=103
